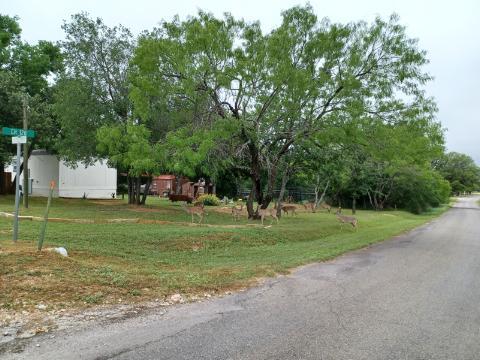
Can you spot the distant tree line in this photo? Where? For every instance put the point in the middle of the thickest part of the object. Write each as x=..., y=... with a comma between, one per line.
x=338, y=108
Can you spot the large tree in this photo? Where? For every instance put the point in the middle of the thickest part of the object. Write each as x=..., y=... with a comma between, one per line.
x=281, y=87
x=93, y=90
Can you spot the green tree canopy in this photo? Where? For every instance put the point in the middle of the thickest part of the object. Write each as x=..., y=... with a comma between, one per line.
x=461, y=171
x=280, y=87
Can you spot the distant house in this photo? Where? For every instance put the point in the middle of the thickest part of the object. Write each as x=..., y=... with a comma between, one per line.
x=97, y=181
x=165, y=184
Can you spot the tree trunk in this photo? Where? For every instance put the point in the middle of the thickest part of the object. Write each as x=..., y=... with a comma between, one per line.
x=130, y=190
x=250, y=210
x=145, y=192
x=354, y=205
x=317, y=189
x=256, y=192
x=370, y=199
x=255, y=175
x=282, y=191
x=319, y=201
x=178, y=185
x=138, y=186
x=272, y=176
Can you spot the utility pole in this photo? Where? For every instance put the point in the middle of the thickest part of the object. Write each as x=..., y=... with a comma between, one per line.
x=26, y=180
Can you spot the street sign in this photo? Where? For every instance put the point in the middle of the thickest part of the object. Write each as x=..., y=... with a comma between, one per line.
x=18, y=132
x=19, y=136
x=19, y=139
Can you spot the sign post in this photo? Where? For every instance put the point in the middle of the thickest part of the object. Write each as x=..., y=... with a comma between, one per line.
x=19, y=137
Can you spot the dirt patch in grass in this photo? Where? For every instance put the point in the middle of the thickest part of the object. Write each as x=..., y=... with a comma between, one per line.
x=113, y=202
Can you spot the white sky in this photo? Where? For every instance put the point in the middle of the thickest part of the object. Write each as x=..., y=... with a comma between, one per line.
x=448, y=30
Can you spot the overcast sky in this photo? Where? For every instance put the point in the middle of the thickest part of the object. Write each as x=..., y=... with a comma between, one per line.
x=447, y=29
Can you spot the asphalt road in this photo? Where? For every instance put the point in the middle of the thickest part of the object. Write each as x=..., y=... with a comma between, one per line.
x=416, y=296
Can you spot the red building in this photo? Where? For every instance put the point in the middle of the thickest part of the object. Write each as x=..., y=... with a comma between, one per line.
x=165, y=184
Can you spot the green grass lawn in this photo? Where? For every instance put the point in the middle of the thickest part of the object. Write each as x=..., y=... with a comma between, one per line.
x=128, y=262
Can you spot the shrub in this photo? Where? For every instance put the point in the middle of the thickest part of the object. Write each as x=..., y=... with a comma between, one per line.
x=209, y=200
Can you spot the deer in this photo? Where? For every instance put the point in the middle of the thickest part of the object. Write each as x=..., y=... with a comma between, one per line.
x=289, y=208
x=195, y=210
x=346, y=219
x=309, y=206
x=267, y=212
x=237, y=212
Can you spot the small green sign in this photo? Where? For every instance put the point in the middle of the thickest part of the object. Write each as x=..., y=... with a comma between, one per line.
x=18, y=132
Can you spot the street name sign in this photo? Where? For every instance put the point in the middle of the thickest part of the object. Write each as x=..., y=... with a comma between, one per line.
x=18, y=132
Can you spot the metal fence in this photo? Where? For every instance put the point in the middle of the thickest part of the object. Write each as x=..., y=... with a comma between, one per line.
x=296, y=194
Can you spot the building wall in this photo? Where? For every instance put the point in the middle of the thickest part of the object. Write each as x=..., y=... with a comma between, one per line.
x=95, y=182
x=43, y=169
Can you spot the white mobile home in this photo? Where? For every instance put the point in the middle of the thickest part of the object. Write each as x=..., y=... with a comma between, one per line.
x=97, y=181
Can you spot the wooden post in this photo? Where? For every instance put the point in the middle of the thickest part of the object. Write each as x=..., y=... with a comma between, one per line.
x=26, y=185
x=45, y=217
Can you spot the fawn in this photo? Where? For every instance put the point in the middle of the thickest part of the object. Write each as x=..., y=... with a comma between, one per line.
x=197, y=210
x=291, y=208
x=268, y=212
x=346, y=219
x=237, y=212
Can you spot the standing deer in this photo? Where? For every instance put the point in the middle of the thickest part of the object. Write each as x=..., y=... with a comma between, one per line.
x=346, y=219
x=236, y=212
x=289, y=208
x=267, y=212
x=309, y=206
x=195, y=210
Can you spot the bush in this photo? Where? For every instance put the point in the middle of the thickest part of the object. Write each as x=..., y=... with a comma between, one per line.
x=418, y=189
x=208, y=199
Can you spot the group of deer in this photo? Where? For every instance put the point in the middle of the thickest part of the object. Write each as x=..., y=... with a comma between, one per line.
x=263, y=213
x=199, y=211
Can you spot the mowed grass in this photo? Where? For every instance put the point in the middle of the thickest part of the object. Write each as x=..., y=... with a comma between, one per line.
x=131, y=262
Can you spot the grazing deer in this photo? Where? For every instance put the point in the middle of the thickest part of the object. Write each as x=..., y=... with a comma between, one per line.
x=267, y=212
x=309, y=206
x=346, y=219
x=289, y=208
x=236, y=212
x=195, y=210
